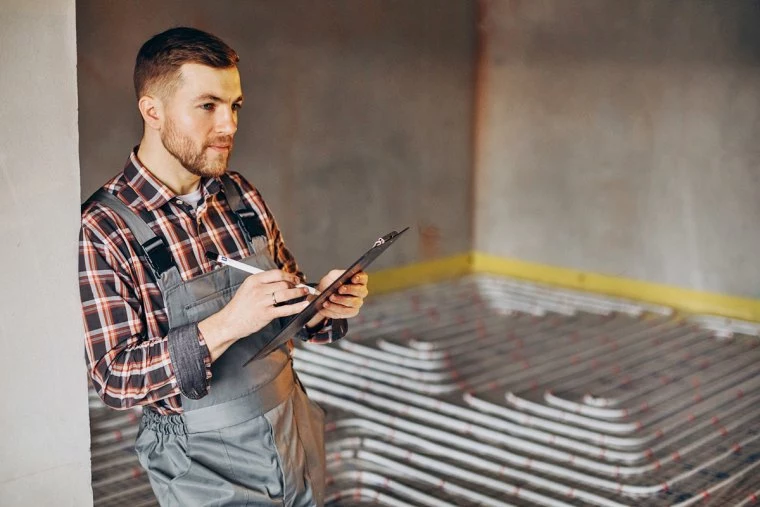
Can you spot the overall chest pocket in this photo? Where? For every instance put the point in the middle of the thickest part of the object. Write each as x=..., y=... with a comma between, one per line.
x=211, y=304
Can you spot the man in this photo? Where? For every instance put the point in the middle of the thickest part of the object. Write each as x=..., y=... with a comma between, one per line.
x=169, y=330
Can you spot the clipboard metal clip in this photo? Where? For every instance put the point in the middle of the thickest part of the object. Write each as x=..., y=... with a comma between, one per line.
x=388, y=237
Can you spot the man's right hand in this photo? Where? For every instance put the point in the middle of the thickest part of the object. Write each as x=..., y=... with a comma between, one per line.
x=251, y=309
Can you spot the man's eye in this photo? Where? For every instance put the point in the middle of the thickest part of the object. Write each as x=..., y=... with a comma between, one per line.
x=237, y=107
x=208, y=107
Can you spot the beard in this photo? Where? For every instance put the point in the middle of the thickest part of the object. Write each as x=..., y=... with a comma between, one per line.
x=197, y=161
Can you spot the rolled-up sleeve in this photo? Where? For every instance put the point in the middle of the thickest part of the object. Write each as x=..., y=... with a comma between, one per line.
x=190, y=358
x=330, y=331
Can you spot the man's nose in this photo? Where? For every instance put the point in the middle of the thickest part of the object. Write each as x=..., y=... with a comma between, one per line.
x=226, y=121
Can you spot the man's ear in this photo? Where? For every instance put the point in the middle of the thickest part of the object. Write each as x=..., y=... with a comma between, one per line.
x=152, y=111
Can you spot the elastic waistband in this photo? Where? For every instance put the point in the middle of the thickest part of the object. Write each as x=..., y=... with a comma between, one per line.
x=173, y=424
x=229, y=413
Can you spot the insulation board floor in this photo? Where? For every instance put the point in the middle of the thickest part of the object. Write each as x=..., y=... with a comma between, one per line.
x=490, y=391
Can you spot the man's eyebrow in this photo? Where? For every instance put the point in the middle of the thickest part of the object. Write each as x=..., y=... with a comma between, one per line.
x=214, y=98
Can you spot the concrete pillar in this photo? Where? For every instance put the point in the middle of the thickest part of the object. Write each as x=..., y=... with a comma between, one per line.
x=44, y=426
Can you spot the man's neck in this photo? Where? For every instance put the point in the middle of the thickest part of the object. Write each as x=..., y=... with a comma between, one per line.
x=165, y=167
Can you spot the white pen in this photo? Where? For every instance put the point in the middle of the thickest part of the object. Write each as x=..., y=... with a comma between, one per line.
x=221, y=259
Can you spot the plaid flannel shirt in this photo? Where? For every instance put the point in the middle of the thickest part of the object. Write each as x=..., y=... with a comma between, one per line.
x=126, y=325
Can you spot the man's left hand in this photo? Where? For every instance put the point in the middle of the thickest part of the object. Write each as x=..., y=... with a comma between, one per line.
x=347, y=301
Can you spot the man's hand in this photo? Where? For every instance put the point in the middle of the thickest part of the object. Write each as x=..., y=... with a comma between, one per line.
x=251, y=309
x=347, y=302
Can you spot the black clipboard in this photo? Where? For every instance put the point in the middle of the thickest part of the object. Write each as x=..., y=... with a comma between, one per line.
x=299, y=321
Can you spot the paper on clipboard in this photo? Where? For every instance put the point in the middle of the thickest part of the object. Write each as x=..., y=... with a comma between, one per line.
x=299, y=321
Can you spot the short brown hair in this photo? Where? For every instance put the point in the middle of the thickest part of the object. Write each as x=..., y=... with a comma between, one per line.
x=160, y=58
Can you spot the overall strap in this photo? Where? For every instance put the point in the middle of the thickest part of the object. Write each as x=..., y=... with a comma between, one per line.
x=248, y=219
x=156, y=251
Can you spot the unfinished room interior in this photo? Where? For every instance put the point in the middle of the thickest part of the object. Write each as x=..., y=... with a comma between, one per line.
x=572, y=317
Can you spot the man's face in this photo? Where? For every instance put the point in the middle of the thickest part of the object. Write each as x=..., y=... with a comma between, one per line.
x=200, y=118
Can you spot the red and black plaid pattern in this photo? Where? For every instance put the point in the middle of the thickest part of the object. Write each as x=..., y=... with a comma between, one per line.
x=125, y=320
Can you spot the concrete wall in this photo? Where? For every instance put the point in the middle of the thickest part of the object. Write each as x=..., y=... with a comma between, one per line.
x=44, y=428
x=357, y=118
x=622, y=138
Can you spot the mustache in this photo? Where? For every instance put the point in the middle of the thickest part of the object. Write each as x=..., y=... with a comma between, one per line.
x=224, y=141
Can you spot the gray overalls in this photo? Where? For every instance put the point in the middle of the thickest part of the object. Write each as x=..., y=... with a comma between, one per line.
x=255, y=439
